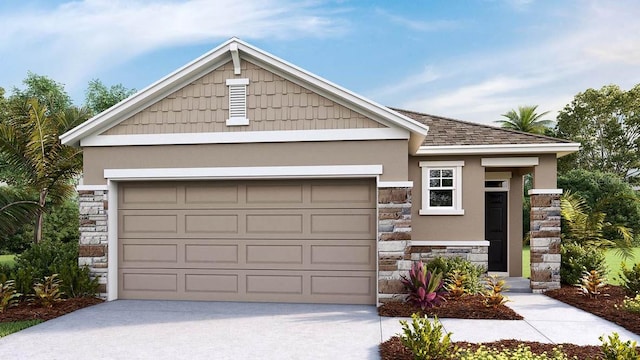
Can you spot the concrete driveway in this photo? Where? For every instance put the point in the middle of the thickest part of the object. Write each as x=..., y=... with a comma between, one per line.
x=131, y=329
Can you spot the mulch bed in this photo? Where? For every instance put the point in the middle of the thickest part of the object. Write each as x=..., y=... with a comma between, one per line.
x=30, y=311
x=393, y=349
x=603, y=306
x=465, y=307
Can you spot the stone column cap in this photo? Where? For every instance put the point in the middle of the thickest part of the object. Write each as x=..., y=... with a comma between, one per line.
x=545, y=192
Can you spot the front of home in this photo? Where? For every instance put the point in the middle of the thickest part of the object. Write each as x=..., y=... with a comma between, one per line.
x=241, y=177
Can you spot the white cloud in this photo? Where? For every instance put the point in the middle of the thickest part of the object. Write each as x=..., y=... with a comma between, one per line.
x=81, y=37
x=418, y=25
x=592, y=45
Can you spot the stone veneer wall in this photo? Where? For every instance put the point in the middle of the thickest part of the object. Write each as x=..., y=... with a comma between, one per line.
x=93, y=235
x=545, y=242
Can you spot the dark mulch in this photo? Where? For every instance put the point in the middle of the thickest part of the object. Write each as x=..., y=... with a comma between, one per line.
x=30, y=311
x=603, y=306
x=465, y=307
x=393, y=349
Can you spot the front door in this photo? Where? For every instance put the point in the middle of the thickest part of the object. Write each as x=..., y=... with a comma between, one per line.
x=495, y=229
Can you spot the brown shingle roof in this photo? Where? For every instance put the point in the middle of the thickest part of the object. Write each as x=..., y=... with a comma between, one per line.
x=444, y=131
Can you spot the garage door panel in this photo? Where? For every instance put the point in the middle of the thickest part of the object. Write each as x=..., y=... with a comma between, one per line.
x=291, y=241
x=150, y=253
x=211, y=255
x=211, y=224
x=149, y=224
x=211, y=194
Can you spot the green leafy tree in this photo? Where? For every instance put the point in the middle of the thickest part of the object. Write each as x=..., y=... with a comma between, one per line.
x=606, y=122
x=526, y=119
x=606, y=193
x=99, y=97
x=31, y=148
x=48, y=92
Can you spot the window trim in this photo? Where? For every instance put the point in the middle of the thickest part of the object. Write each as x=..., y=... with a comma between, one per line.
x=456, y=209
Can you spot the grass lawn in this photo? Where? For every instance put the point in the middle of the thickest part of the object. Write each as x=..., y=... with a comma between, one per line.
x=7, y=328
x=7, y=259
x=612, y=259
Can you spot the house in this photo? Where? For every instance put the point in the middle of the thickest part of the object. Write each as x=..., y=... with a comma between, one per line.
x=241, y=177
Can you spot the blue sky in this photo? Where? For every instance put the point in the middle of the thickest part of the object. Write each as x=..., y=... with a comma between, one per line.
x=471, y=60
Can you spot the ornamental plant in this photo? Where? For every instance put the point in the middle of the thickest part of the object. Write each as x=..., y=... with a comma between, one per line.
x=631, y=304
x=615, y=349
x=47, y=292
x=455, y=284
x=592, y=283
x=494, y=286
x=425, y=288
x=425, y=339
x=630, y=278
x=8, y=295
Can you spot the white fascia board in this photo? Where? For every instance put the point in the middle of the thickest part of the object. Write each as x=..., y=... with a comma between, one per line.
x=235, y=173
x=441, y=163
x=545, y=192
x=151, y=94
x=328, y=89
x=243, y=81
x=449, y=243
x=510, y=162
x=560, y=149
x=395, y=184
x=247, y=137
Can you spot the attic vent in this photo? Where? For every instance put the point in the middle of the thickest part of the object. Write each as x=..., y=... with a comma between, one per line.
x=237, y=102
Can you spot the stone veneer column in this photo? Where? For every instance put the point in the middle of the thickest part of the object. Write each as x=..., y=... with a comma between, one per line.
x=394, y=235
x=93, y=235
x=545, y=239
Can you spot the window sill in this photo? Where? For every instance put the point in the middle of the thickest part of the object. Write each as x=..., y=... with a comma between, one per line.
x=442, y=212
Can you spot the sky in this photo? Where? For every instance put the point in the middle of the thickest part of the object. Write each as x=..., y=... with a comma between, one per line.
x=470, y=59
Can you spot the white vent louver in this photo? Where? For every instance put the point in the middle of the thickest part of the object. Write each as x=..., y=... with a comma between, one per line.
x=237, y=102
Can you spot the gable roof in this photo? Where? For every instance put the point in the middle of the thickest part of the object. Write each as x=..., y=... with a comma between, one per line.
x=231, y=50
x=448, y=136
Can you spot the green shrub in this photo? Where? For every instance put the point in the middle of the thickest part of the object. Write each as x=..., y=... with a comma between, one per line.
x=576, y=260
x=630, y=278
x=426, y=340
x=473, y=273
x=425, y=288
x=522, y=352
x=8, y=295
x=52, y=257
x=615, y=349
x=631, y=304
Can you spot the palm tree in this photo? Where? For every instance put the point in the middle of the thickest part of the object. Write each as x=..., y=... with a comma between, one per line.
x=526, y=120
x=14, y=212
x=30, y=146
x=587, y=227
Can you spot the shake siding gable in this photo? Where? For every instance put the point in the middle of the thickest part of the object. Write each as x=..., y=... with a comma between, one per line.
x=273, y=104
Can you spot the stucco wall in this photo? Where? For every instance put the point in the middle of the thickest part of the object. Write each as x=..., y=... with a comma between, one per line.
x=391, y=154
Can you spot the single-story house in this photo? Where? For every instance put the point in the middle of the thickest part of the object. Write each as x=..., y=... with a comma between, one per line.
x=242, y=177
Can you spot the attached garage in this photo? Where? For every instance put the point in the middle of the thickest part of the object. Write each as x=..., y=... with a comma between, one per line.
x=264, y=240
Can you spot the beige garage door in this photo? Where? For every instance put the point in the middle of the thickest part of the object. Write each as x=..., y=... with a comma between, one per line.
x=289, y=241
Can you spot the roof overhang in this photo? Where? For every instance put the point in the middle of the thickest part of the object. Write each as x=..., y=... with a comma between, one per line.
x=233, y=50
x=560, y=149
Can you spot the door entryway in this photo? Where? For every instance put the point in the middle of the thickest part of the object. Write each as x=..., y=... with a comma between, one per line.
x=496, y=229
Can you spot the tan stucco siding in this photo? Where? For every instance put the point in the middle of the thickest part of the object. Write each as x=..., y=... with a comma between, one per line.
x=391, y=154
x=545, y=175
x=273, y=103
x=469, y=226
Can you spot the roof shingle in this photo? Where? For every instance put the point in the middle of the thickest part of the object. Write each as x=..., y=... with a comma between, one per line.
x=445, y=131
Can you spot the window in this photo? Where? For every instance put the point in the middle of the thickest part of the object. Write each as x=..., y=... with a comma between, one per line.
x=237, y=102
x=441, y=188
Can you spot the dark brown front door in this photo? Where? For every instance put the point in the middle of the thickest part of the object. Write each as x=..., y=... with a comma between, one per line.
x=495, y=229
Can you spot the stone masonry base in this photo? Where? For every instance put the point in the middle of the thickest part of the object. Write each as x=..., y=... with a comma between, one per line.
x=545, y=242
x=93, y=235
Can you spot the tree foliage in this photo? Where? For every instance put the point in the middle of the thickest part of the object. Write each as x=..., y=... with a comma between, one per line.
x=526, y=119
x=606, y=193
x=46, y=91
x=606, y=122
x=99, y=97
x=14, y=211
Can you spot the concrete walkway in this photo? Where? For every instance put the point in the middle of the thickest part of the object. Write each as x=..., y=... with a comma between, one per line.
x=129, y=329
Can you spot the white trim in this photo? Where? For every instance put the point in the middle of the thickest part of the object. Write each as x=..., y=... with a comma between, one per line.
x=561, y=149
x=91, y=187
x=395, y=184
x=500, y=175
x=441, y=163
x=112, y=240
x=237, y=121
x=433, y=211
x=257, y=172
x=449, y=242
x=221, y=55
x=247, y=137
x=510, y=162
x=235, y=56
x=243, y=81
x=545, y=192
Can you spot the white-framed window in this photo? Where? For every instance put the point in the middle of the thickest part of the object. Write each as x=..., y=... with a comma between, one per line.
x=237, y=102
x=441, y=188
